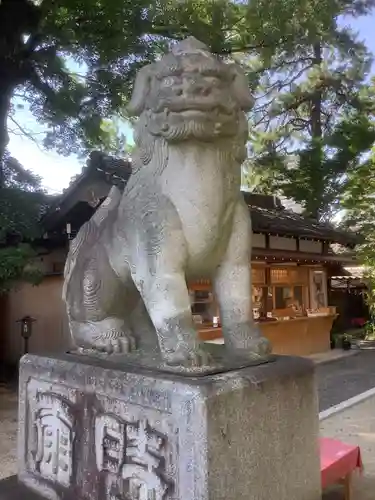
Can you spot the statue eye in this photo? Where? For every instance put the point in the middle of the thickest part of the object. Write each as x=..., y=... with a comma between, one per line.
x=213, y=81
x=169, y=81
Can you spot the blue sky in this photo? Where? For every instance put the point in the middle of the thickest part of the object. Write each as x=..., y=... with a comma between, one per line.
x=57, y=171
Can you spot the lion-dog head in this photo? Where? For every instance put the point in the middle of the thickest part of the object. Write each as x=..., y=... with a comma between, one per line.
x=191, y=94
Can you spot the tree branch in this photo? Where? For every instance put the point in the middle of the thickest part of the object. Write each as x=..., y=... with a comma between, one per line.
x=43, y=87
x=25, y=132
x=283, y=64
x=253, y=48
x=32, y=43
x=169, y=32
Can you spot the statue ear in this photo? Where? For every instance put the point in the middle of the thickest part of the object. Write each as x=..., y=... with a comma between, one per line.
x=141, y=90
x=240, y=89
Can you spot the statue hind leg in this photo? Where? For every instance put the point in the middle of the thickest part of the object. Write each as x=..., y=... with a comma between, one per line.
x=97, y=308
x=96, y=299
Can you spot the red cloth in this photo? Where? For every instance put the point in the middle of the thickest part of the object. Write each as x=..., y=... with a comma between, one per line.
x=337, y=459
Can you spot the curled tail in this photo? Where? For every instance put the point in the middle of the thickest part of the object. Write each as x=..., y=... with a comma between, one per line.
x=89, y=235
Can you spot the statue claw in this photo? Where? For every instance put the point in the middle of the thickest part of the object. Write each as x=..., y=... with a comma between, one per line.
x=246, y=340
x=188, y=356
x=258, y=347
x=120, y=345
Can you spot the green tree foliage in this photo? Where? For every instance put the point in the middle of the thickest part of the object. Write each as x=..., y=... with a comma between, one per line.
x=73, y=61
x=311, y=123
x=359, y=204
x=319, y=186
x=16, y=176
x=256, y=179
x=21, y=204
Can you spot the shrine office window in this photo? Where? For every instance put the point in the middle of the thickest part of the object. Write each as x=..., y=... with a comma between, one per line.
x=289, y=287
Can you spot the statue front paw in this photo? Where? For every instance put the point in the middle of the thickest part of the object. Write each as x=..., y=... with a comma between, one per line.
x=109, y=336
x=113, y=337
x=246, y=340
x=188, y=356
x=120, y=345
x=258, y=347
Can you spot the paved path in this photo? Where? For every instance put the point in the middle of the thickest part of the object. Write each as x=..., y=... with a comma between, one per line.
x=356, y=426
x=342, y=379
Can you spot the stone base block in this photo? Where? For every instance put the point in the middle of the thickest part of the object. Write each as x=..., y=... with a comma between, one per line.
x=92, y=430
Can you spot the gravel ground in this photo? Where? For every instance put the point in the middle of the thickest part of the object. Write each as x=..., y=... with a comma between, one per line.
x=342, y=379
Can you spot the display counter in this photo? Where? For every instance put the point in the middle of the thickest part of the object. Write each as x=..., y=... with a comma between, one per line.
x=299, y=336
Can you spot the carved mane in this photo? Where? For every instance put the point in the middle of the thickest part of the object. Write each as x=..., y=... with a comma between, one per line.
x=152, y=152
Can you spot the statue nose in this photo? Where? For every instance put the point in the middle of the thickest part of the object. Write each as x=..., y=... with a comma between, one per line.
x=198, y=89
x=193, y=87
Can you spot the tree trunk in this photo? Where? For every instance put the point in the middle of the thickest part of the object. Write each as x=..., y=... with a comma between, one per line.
x=316, y=141
x=5, y=96
x=316, y=108
x=17, y=18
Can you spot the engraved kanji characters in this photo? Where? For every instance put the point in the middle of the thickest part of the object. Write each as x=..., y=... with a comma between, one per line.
x=110, y=434
x=144, y=460
x=133, y=451
x=54, y=434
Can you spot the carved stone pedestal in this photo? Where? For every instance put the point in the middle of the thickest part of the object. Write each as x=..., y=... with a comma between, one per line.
x=94, y=430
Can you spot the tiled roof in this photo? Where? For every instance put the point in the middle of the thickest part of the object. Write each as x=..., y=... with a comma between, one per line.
x=115, y=170
x=99, y=166
x=268, y=215
x=288, y=223
x=267, y=212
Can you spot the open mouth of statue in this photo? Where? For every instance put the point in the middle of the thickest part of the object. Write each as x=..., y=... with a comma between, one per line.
x=195, y=108
x=213, y=114
x=191, y=113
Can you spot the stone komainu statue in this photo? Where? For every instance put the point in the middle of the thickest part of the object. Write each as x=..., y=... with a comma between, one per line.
x=181, y=217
